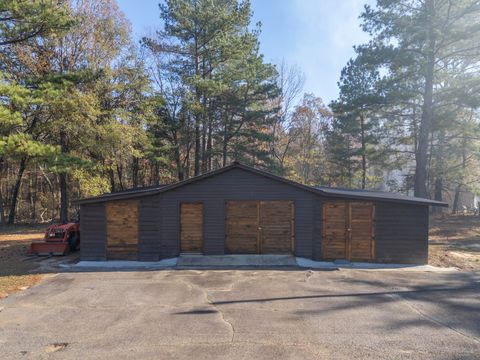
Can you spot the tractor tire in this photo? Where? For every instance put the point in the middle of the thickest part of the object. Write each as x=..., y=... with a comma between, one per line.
x=73, y=242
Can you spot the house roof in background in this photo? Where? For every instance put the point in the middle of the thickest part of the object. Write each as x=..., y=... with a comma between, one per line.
x=325, y=191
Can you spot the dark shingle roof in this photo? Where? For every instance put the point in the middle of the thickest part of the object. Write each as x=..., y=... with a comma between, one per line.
x=377, y=195
x=124, y=193
x=325, y=191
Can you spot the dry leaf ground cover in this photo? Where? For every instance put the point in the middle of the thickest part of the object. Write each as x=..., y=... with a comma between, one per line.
x=17, y=271
x=455, y=241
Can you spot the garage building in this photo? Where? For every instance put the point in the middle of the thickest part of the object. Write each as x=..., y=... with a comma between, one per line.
x=242, y=210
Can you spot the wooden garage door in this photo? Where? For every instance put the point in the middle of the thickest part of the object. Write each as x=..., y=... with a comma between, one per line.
x=122, y=229
x=242, y=225
x=276, y=227
x=361, y=231
x=259, y=227
x=348, y=231
x=334, y=242
x=191, y=227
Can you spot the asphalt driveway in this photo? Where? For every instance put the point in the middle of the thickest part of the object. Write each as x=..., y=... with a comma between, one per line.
x=245, y=314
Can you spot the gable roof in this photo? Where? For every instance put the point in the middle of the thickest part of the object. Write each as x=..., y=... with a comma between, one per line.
x=325, y=191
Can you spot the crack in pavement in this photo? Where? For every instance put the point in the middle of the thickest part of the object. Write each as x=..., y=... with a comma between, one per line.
x=211, y=303
x=222, y=315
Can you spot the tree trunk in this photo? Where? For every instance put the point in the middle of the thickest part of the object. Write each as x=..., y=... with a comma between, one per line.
x=187, y=164
x=178, y=161
x=439, y=169
x=364, y=155
x=438, y=194
x=155, y=175
x=32, y=194
x=421, y=157
x=224, y=153
x=2, y=210
x=209, y=147
x=16, y=190
x=196, y=166
x=63, y=182
x=224, y=147
x=204, y=149
x=135, y=169
x=120, y=176
x=456, y=199
x=111, y=175
x=63, y=198
x=205, y=120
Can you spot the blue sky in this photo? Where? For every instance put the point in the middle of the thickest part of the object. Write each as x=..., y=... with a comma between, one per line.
x=315, y=35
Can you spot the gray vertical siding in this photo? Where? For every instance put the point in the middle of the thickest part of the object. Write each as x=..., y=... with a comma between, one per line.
x=93, y=232
x=149, y=228
x=401, y=233
x=236, y=184
x=317, y=227
x=401, y=230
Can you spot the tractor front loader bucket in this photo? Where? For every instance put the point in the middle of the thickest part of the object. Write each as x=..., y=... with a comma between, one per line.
x=48, y=248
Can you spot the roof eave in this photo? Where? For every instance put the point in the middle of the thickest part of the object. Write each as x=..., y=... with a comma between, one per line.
x=111, y=197
x=372, y=198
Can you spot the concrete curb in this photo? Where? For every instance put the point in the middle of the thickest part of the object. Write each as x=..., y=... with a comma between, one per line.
x=307, y=263
x=125, y=264
x=233, y=261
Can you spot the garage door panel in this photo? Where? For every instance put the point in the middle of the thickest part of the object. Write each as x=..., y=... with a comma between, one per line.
x=360, y=252
x=276, y=223
x=254, y=227
x=335, y=210
x=241, y=227
x=348, y=230
x=239, y=223
x=122, y=229
x=247, y=209
x=242, y=244
x=334, y=230
x=272, y=217
x=360, y=213
x=362, y=231
x=243, y=231
x=191, y=227
x=340, y=232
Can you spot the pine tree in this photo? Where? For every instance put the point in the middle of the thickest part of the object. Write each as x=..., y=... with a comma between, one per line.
x=354, y=135
x=20, y=112
x=216, y=86
x=21, y=20
x=417, y=42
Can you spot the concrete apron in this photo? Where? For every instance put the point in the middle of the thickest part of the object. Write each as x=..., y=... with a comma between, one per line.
x=188, y=260
x=202, y=261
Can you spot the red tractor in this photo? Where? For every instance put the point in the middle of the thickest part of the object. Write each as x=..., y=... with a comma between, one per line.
x=59, y=239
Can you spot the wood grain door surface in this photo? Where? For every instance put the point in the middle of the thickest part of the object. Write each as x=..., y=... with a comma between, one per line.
x=348, y=230
x=259, y=227
x=191, y=227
